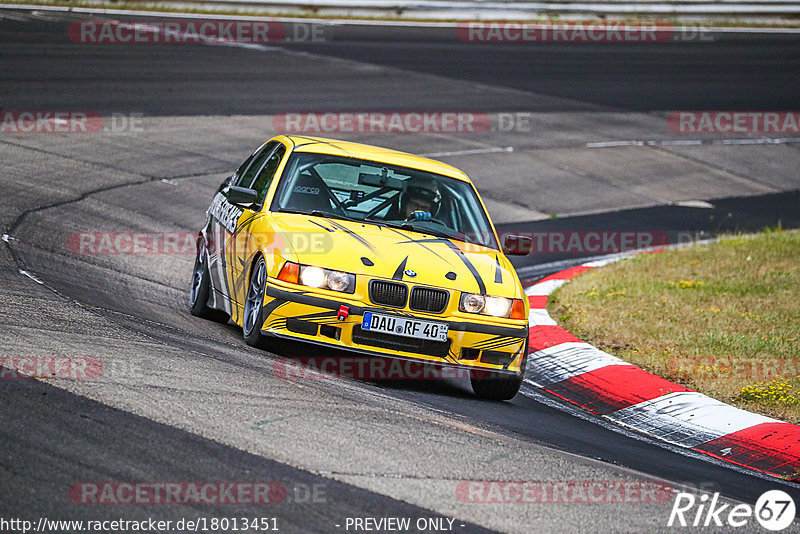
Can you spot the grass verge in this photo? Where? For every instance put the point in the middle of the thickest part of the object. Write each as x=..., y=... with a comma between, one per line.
x=722, y=318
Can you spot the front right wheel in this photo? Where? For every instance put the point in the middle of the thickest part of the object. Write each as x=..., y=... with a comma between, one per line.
x=491, y=385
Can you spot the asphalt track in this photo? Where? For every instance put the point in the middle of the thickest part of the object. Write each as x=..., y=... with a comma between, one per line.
x=710, y=71
x=55, y=436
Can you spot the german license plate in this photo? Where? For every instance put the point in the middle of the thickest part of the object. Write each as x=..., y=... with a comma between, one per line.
x=404, y=326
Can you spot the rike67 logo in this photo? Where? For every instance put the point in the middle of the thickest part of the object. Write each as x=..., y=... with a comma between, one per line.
x=774, y=510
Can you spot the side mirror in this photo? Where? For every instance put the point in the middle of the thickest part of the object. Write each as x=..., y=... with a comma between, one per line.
x=242, y=196
x=224, y=184
x=517, y=245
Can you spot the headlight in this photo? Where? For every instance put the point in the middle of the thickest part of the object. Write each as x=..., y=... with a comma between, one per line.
x=338, y=281
x=497, y=306
x=320, y=278
x=313, y=277
x=472, y=303
x=494, y=306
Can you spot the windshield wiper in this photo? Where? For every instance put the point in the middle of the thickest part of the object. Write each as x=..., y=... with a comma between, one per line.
x=410, y=227
x=318, y=213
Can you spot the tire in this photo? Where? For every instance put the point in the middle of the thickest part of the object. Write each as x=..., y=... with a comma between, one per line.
x=200, y=286
x=491, y=385
x=253, y=318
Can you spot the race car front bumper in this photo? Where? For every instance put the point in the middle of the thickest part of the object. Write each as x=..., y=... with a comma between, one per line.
x=308, y=316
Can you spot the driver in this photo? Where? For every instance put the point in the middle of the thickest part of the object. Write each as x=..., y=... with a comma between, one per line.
x=421, y=200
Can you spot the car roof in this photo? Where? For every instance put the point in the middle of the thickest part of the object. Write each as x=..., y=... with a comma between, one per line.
x=321, y=145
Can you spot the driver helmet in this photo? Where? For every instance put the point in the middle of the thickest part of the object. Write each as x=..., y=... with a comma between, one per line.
x=422, y=189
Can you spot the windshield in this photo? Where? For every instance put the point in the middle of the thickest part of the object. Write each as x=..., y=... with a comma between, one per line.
x=348, y=188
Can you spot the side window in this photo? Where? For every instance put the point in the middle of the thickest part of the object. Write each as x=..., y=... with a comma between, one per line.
x=245, y=178
x=267, y=173
x=241, y=169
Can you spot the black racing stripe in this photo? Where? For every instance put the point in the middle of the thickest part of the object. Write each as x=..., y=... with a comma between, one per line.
x=524, y=359
x=453, y=355
x=227, y=299
x=332, y=320
x=353, y=235
x=319, y=315
x=408, y=240
x=498, y=273
x=279, y=322
x=497, y=340
x=499, y=344
x=321, y=226
x=398, y=274
x=273, y=305
x=301, y=297
x=480, y=328
x=476, y=328
x=470, y=266
x=506, y=343
x=461, y=256
x=488, y=341
x=245, y=223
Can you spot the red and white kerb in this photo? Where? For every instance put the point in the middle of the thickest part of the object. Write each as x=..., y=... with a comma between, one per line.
x=601, y=383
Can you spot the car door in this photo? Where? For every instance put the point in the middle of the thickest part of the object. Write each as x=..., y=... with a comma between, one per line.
x=244, y=242
x=223, y=218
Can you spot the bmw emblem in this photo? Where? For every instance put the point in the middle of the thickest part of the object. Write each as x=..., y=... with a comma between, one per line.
x=410, y=273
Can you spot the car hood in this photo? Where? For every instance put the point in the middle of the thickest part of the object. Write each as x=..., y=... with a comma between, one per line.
x=396, y=254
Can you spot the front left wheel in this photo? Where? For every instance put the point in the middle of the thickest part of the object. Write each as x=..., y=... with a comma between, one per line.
x=253, y=318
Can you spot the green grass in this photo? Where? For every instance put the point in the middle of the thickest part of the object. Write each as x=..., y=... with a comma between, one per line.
x=722, y=318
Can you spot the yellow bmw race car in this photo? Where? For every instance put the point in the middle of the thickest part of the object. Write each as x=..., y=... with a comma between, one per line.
x=365, y=249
